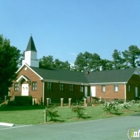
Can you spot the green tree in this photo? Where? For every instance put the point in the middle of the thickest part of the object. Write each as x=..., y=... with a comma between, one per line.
x=95, y=62
x=105, y=64
x=84, y=61
x=61, y=65
x=131, y=56
x=46, y=62
x=49, y=62
x=9, y=60
x=118, y=61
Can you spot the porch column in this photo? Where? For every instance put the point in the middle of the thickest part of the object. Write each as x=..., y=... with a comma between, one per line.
x=47, y=101
x=69, y=102
x=36, y=101
x=62, y=99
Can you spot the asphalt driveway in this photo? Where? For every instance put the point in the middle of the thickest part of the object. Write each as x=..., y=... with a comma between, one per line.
x=105, y=129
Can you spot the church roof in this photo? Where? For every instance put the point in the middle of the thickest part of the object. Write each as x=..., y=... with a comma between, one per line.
x=109, y=76
x=31, y=45
x=61, y=75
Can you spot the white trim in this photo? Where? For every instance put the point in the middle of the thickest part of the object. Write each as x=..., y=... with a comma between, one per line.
x=41, y=78
x=107, y=83
x=65, y=82
x=22, y=77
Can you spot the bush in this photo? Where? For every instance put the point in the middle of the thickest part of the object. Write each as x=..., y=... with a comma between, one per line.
x=52, y=114
x=111, y=106
x=21, y=101
x=79, y=110
x=127, y=105
x=12, y=103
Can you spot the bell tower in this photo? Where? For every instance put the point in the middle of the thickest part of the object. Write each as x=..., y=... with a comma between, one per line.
x=30, y=56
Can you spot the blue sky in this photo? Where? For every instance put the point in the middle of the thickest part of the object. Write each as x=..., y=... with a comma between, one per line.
x=64, y=28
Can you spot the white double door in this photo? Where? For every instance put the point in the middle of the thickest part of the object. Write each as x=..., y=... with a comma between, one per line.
x=25, y=90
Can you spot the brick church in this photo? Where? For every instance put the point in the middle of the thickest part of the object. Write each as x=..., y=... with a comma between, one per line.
x=57, y=83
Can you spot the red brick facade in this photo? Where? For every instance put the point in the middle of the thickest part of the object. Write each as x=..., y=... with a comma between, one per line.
x=110, y=93
x=57, y=90
x=126, y=91
x=33, y=77
x=55, y=93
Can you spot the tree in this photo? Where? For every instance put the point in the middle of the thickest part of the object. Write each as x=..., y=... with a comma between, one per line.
x=95, y=62
x=118, y=61
x=61, y=65
x=49, y=62
x=105, y=64
x=46, y=62
x=9, y=60
x=131, y=56
x=84, y=61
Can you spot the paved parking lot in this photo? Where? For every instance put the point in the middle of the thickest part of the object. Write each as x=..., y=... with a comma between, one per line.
x=105, y=129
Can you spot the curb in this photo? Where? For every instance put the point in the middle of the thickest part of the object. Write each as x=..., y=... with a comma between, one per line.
x=6, y=124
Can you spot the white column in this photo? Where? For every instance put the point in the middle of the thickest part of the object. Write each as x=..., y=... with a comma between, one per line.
x=62, y=99
x=69, y=102
x=47, y=101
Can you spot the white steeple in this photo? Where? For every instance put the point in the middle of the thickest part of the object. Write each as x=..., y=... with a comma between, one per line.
x=30, y=56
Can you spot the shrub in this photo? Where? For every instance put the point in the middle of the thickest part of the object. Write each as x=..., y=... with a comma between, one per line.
x=120, y=101
x=52, y=114
x=111, y=106
x=21, y=100
x=79, y=110
x=127, y=105
x=12, y=103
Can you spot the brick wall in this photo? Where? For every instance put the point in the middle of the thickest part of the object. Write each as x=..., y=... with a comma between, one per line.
x=33, y=77
x=55, y=94
x=109, y=93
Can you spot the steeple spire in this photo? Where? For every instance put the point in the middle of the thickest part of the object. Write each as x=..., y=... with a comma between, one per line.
x=30, y=56
x=31, y=45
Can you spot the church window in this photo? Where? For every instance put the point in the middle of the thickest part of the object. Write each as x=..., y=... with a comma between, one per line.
x=34, y=85
x=16, y=86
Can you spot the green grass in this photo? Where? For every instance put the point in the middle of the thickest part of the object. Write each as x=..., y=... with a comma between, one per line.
x=35, y=115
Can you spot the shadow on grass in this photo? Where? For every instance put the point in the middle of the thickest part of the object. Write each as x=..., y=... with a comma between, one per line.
x=117, y=113
x=57, y=120
x=14, y=108
x=86, y=117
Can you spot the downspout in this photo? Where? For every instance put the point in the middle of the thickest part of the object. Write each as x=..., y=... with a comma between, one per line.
x=124, y=92
x=43, y=94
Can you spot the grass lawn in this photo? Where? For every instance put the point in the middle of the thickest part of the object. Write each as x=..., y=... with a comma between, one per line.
x=35, y=115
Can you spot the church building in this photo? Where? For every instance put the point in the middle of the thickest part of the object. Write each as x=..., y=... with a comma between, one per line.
x=57, y=83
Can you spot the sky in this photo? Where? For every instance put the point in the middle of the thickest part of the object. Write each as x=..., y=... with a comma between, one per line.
x=65, y=28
